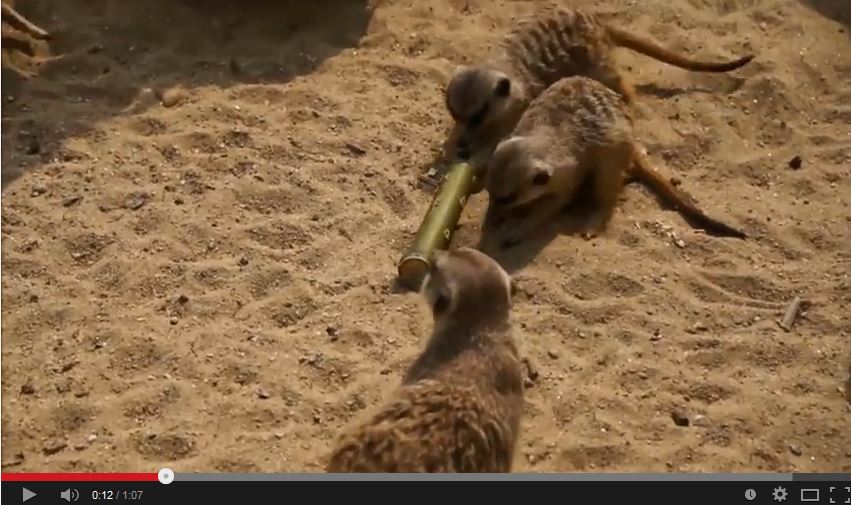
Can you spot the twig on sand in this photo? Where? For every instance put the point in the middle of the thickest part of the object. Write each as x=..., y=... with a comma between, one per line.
x=791, y=313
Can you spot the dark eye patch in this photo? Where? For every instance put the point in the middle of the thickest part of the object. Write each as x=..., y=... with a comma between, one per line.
x=507, y=199
x=477, y=118
x=441, y=304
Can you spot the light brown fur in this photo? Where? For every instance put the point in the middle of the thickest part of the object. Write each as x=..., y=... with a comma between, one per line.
x=576, y=129
x=486, y=100
x=12, y=40
x=460, y=403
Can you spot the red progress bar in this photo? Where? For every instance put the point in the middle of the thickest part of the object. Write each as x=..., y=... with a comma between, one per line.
x=78, y=477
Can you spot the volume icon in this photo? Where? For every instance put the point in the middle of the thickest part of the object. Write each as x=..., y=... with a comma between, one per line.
x=70, y=495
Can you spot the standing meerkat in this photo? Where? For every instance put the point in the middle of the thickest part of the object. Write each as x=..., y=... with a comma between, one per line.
x=460, y=403
x=487, y=99
x=577, y=130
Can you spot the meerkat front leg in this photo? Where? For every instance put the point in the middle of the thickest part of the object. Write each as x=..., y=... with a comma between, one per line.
x=517, y=228
x=612, y=163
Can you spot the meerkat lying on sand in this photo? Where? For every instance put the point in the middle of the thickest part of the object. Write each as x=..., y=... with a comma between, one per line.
x=487, y=99
x=576, y=130
x=460, y=403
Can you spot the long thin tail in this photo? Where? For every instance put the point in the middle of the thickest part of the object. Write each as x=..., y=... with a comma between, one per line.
x=645, y=172
x=649, y=48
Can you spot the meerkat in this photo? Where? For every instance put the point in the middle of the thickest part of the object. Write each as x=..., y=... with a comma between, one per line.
x=459, y=406
x=487, y=99
x=577, y=130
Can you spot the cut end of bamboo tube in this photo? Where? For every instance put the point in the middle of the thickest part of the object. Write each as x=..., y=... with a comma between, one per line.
x=412, y=270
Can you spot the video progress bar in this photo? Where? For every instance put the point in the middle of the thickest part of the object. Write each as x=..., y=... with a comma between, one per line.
x=540, y=477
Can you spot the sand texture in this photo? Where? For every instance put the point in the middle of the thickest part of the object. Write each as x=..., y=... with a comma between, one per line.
x=203, y=204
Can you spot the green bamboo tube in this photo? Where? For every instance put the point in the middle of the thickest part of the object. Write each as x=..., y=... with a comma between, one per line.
x=436, y=228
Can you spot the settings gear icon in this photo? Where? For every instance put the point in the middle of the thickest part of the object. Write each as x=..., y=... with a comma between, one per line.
x=780, y=494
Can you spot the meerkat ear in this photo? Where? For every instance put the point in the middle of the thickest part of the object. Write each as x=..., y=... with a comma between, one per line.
x=503, y=87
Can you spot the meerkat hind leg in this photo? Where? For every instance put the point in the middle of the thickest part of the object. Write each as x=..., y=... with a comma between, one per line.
x=608, y=178
x=607, y=74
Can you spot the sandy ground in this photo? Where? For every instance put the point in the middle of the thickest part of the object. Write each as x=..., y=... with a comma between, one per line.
x=208, y=283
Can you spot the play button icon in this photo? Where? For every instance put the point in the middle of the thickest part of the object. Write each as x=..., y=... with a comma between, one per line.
x=27, y=494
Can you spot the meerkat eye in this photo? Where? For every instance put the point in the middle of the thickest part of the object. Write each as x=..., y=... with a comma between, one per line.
x=541, y=178
x=507, y=199
x=441, y=304
x=503, y=87
x=478, y=117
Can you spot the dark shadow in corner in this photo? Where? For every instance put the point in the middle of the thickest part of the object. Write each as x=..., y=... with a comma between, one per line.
x=837, y=10
x=107, y=51
x=569, y=222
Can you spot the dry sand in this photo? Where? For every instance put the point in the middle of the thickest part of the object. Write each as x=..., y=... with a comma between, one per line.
x=209, y=285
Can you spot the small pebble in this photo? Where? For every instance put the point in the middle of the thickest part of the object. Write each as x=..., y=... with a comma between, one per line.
x=136, y=200
x=243, y=261
x=38, y=190
x=182, y=299
x=680, y=419
x=27, y=389
x=795, y=450
x=680, y=243
x=700, y=420
x=54, y=447
x=174, y=320
x=71, y=200
x=263, y=394
x=552, y=354
x=173, y=96
x=795, y=163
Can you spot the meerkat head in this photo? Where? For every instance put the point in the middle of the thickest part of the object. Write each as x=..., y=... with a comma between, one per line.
x=467, y=286
x=516, y=173
x=478, y=97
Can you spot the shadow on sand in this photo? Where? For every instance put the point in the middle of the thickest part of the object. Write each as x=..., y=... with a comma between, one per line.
x=104, y=52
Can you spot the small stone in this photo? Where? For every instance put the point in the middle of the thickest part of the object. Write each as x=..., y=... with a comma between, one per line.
x=531, y=372
x=794, y=449
x=679, y=418
x=178, y=201
x=700, y=420
x=796, y=163
x=33, y=146
x=38, y=190
x=136, y=200
x=173, y=96
x=355, y=149
x=54, y=447
x=657, y=336
x=263, y=394
x=243, y=261
x=91, y=438
x=680, y=243
x=71, y=200
x=27, y=389
x=331, y=331
x=182, y=299
x=552, y=354
x=174, y=320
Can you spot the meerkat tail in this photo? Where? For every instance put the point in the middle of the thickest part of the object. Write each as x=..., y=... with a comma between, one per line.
x=642, y=170
x=12, y=17
x=649, y=48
